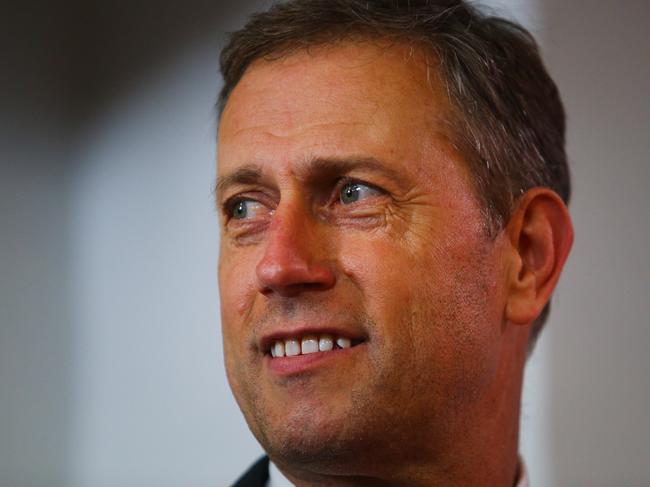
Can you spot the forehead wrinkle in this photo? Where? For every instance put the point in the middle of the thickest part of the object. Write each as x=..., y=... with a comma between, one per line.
x=264, y=119
x=276, y=131
x=263, y=81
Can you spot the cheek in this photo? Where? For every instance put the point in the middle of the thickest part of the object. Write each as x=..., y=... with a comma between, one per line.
x=386, y=277
x=237, y=284
x=234, y=291
x=436, y=307
x=237, y=292
x=460, y=308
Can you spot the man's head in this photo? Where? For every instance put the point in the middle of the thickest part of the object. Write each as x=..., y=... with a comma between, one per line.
x=392, y=174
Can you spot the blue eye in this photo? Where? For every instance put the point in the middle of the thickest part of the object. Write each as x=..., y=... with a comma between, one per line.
x=244, y=209
x=353, y=192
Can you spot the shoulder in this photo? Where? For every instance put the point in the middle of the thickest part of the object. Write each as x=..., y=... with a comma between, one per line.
x=256, y=476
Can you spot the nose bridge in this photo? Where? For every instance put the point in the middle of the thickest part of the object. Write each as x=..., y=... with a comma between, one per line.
x=295, y=257
x=290, y=230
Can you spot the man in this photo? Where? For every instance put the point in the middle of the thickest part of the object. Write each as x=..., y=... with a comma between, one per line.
x=392, y=186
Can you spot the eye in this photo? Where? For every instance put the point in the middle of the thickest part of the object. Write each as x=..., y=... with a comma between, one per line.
x=243, y=209
x=353, y=192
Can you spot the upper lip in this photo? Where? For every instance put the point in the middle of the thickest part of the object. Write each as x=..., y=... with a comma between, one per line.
x=268, y=339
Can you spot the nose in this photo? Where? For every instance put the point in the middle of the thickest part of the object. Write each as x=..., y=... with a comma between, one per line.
x=296, y=258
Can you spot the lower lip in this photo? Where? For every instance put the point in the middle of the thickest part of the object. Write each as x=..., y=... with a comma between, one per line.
x=301, y=364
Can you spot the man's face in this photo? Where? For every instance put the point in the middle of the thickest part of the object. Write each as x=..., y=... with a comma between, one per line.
x=347, y=213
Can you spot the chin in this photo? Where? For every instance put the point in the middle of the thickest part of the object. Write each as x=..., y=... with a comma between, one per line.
x=312, y=440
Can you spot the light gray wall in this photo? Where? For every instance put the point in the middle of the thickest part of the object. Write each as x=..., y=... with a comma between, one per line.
x=151, y=403
x=152, y=406
x=600, y=388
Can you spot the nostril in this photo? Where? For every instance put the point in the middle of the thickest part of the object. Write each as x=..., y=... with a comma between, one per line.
x=296, y=289
x=292, y=284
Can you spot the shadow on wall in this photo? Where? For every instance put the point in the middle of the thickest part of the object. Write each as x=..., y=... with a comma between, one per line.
x=36, y=336
x=124, y=43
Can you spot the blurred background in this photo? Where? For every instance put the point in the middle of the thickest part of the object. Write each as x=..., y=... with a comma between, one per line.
x=110, y=349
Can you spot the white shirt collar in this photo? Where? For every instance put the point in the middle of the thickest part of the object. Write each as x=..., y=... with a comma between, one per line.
x=523, y=475
x=277, y=478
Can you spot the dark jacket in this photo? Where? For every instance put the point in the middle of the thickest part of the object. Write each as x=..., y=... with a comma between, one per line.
x=256, y=476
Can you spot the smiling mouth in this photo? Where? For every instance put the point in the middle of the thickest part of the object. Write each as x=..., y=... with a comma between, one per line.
x=308, y=344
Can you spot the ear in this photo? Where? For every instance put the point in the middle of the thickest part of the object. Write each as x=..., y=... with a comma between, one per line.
x=540, y=234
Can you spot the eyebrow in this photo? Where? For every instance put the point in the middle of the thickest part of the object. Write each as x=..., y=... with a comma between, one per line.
x=312, y=169
x=334, y=165
x=249, y=174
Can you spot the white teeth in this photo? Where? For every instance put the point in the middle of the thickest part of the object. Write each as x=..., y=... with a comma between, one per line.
x=309, y=344
x=278, y=349
x=292, y=347
x=325, y=343
x=343, y=342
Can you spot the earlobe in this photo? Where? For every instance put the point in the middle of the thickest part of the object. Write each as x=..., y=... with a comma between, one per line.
x=540, y=235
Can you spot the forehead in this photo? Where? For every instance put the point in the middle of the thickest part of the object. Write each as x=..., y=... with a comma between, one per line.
x=335, y=100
